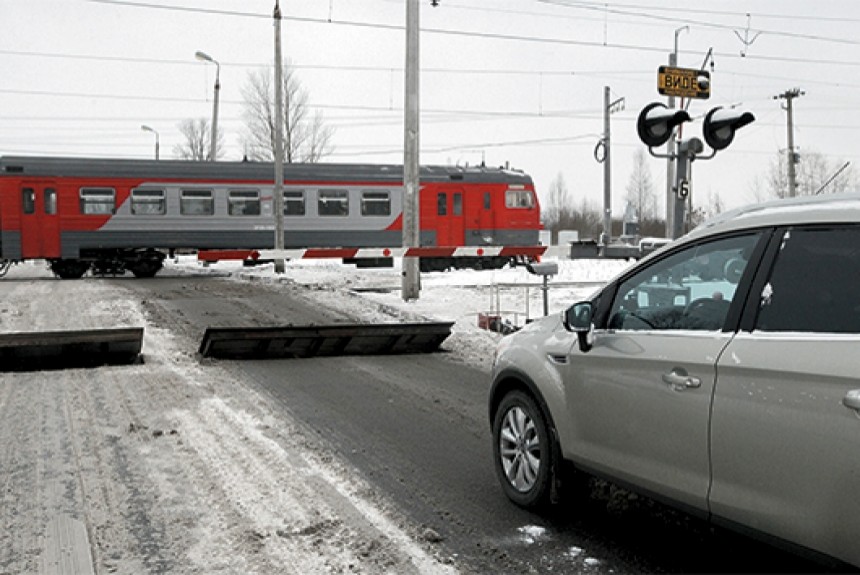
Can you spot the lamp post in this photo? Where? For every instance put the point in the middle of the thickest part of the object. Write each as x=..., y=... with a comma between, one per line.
x=207, y=58
x=146, y=128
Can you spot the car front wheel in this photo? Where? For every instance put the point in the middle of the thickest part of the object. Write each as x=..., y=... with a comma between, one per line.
x=522, y=450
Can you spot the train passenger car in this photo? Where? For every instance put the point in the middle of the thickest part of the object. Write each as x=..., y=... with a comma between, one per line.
x=113, y=216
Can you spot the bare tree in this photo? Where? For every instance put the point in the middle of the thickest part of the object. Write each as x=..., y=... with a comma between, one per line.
x=561, y=212
x=306, y=138
x=640, y=189
x=815, y=174
x=558, y=204
x=198, y=140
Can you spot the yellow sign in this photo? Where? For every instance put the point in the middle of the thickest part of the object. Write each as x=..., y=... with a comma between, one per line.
x=684, y=82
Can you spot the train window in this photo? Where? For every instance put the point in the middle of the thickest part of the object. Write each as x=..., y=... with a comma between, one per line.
x=148, y=203
x=333, y=203
x=294, y=203
x=458, y=204
x=442, y=204
x=196, y=203
x=98, y=201
x=487, y=204
x=519, y=199
x=375, y=203
x=50, y=196
x=244, y=203
x=28, y=200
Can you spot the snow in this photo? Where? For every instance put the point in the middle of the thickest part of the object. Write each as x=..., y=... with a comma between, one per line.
x=177, y=440
x=373, y=295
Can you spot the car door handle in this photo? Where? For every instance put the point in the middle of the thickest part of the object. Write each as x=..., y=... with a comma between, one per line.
x=852, y=399
x=680, y=380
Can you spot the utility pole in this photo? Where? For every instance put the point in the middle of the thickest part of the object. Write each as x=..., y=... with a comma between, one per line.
x=280, y=266
x=670, y=148
x=793, y=157
x=608, y=108
x=410, y=287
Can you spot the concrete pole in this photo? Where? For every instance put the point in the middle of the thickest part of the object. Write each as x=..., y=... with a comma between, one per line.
x=411, y=166
x=792, y=173
x=789, y=96
x=606, y=237
x=280, y=266
x=670, y=159
x=687, y=150
x=671, y=148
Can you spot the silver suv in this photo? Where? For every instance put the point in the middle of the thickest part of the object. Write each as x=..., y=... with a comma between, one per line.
x=721, y=373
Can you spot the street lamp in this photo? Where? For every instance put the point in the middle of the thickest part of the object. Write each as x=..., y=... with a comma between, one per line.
x=146, y=128
x=207, y=58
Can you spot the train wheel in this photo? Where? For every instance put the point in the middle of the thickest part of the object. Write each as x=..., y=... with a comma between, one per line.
x=146, y=267
x=69, y=269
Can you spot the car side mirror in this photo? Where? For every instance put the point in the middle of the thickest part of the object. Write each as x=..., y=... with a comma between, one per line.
x=577, y=319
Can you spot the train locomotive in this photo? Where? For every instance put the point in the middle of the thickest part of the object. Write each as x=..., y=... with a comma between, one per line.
x=110, y=216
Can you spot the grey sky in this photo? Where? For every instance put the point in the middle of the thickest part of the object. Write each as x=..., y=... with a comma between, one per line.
x=517, y=81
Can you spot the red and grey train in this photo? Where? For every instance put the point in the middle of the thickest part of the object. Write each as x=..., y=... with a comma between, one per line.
x=113, y=215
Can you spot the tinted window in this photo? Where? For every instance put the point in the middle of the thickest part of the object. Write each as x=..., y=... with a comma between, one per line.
x=691, y=289
x=442, y=204
x=148, y=203
x=458, y=204
x=814, y=282
x=294, y=203
x=333, y=203
x=196, y=203
x=97, y=201
x=375, y=203
x=50, y=197
x=519, y=199
x=28, y=200
x=243, y=203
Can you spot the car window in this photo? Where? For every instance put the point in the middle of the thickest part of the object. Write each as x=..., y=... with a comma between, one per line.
x=813, y=285
x=690, y=289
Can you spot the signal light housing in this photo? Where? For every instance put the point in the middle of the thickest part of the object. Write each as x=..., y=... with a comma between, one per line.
x=721, y=124
x=656, y=123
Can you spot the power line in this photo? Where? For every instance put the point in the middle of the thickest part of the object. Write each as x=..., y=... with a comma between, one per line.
x=675, y=8
x=593, y=6
x=515, y=37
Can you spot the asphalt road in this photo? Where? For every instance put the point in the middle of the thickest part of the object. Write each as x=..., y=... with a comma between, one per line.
x=416, y=428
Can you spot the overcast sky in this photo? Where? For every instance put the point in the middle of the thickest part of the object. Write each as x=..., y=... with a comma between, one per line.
x=503, y=81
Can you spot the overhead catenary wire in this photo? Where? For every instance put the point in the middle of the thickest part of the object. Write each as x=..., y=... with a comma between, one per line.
x=508, y=37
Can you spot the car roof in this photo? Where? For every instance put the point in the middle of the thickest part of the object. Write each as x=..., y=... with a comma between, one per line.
x=832, y=208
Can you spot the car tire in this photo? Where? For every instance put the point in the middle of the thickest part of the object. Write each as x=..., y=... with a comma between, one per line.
x=522, y=450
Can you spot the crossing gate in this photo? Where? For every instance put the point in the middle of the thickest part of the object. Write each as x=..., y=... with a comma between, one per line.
x=34, y=351
x=325, y=340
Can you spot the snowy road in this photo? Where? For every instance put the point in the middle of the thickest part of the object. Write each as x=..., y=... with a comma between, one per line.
x=172, y=466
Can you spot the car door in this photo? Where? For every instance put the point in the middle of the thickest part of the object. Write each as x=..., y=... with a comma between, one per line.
x=639, y=400
x=786, y=417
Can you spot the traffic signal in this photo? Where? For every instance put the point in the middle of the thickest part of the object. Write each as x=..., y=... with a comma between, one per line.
x=721, y=124
x=656, y=123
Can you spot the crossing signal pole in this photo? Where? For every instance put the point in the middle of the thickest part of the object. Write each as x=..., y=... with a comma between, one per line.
x=793, y=157
x=656, y=126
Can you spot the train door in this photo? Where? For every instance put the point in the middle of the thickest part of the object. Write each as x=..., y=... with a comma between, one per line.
x=40, y=226
x=449, y=213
